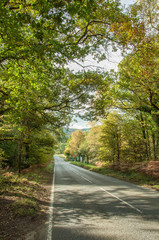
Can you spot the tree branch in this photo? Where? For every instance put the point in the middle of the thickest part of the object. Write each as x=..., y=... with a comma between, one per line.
x=86, y=29
x=151, y=100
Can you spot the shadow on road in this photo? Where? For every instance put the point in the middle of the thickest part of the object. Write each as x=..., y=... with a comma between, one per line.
x=63, y=233
x=75, y=205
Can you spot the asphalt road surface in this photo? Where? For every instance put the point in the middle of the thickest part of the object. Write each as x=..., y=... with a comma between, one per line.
x=90, y=206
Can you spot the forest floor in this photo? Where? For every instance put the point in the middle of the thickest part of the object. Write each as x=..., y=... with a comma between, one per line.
x=24, y=201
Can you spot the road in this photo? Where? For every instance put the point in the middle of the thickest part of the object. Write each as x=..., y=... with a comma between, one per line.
x=90, y=206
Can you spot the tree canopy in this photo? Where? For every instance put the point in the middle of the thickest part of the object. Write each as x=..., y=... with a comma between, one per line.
x=40, y=38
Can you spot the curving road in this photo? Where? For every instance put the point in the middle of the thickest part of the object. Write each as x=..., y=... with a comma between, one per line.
x=90, y=206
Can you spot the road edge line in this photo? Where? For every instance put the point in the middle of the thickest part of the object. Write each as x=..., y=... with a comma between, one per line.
x=51, y=210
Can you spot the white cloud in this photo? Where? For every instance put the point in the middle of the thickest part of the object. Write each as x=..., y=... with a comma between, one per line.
x=127, y=2
x=79, y=123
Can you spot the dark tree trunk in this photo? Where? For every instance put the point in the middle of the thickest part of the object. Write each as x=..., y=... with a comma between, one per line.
x=118, y=150
x=144, y=136
x=27, y=152
x=20, y=146
x=154, y=146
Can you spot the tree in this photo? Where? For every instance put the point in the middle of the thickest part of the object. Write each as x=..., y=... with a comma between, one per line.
x=110, y=148
x=38, y=39
x=74, y=143
x=138, y=73
x=92, y=139
x=149, y=14
x=134, y=89
x=122, y=139
x=83, y=151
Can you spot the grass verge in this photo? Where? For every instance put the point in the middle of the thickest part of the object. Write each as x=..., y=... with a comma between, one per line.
x=24, y=200
x=130, y=175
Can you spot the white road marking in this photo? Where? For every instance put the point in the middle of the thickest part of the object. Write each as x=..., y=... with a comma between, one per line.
x=50, y=224
x=138, y=210
x=75, y=172
x=82, y=176
x=126, y=203
x=86, y=179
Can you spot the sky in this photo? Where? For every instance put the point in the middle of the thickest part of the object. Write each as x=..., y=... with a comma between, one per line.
x=106, y=65
x=78, y=123
x=127, y=2
x=111, y=63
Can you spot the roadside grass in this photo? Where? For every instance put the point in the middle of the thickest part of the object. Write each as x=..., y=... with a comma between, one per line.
x=129, y=175
x=24, y=200
x=39, y=175
x=24, y=191
x=156, y=187
x=24, y=207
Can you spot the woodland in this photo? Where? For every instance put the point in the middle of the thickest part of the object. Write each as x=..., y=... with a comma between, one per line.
x=39, y=94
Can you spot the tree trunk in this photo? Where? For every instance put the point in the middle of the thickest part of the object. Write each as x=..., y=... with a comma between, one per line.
x=154, y=147
x=20, y=146
x=27, y=151
x=144, y=136
x=118, y=150
x=148, y=145
x=156, y=137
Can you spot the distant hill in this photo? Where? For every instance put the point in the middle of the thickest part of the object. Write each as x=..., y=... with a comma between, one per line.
x=69, y=131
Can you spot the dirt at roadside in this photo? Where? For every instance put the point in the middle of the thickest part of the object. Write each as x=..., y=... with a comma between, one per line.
x=24, y=203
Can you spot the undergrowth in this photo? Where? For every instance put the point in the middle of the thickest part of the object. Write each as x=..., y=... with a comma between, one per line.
x=25, y=190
